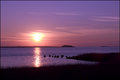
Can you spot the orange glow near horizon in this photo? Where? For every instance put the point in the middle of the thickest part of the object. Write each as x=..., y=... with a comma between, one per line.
x=37, y=58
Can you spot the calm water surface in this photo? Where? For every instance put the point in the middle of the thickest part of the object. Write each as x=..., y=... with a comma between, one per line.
x=34, y=57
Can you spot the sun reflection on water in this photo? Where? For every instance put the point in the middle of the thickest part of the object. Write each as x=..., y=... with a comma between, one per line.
x=37, y=59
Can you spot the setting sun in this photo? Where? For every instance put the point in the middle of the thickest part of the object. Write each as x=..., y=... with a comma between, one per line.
x=37, y=37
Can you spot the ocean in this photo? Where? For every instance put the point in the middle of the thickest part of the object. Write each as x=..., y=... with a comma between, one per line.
x=37, y=57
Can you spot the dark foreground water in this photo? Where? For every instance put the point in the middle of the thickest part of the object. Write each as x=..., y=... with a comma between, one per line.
x=34, y=57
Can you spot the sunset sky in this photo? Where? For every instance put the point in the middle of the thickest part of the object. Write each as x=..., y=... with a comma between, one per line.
x=77, y=23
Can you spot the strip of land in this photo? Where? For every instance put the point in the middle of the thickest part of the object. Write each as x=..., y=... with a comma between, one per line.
x=99, y=57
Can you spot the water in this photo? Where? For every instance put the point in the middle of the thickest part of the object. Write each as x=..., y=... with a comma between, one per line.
x=34, y=57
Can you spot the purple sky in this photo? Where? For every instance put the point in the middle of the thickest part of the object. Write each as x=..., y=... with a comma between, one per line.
x=79, y=23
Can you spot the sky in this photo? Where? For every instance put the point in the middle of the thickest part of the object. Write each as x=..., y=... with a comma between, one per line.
x=77, y=23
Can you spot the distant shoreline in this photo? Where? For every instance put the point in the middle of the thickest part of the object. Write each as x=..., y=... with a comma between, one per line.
x=50, y=46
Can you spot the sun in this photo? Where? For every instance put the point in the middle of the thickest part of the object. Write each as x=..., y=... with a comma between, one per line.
x=37, y=37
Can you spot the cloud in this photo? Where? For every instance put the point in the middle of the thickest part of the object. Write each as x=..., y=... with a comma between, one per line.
x=116, y=18
x=38, y=13
x=106, y=18
x=55, y=13
x=13, y=40
x=57, y=30
x=8, y=37
x=67, y=13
